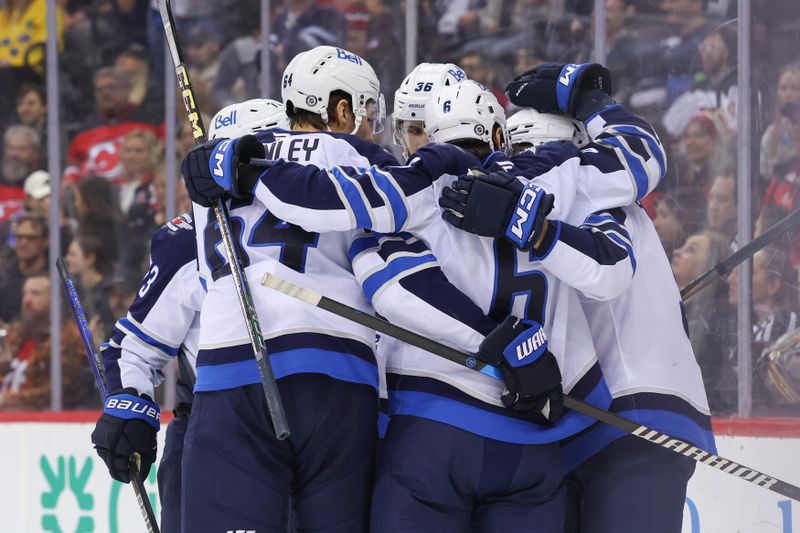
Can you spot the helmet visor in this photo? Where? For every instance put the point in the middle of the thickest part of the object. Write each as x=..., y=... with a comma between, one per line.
x=376, y=114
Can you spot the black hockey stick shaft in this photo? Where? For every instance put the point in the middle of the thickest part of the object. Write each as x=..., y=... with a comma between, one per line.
x=268, y=383
x=726, y=266
x=601, y=415
x=96, y=365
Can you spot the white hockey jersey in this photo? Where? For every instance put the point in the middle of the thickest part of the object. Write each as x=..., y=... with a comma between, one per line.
x=164, y=317
x=299, y=338
x=498, y=278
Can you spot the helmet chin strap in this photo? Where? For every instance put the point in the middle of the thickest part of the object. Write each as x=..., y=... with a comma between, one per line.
x=358, y=124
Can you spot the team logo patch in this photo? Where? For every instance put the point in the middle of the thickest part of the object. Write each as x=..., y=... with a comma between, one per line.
x=311, y=100
x=479, y=129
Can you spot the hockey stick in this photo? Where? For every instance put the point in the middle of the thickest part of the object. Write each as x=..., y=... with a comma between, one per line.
x=726, y=266
x=268, y=384
x=96, y=364
x=628, y=426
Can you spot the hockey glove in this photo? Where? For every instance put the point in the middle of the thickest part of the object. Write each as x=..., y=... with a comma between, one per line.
x=220, y=168
x=497, y=205
x=129, y=424
x=533, y=380
x=557, y=87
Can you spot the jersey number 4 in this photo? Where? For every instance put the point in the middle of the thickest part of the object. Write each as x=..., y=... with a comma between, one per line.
x=269, y=230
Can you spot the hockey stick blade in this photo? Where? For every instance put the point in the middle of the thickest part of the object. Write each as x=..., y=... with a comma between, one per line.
x=96, y=365
x=269, y=386
x=724, y=267
x=656, y=437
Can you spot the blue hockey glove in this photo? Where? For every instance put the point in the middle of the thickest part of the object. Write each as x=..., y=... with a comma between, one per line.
x=558, y=87
x=129, y=424
x=220, y=168
x=533, y=380
x=497, y=205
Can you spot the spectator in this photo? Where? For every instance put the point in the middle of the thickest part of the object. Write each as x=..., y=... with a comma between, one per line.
x=714, y=87
x=32, y=109
x=686, y=29
x=24, y=32
x=37, y=203
x=708, y=316
x=95, y=151
x=26, y=381
x=774, y=302
x=203, y=44
x=676, y=218
x=146, y=92
x=98, y=213
x=302, y=26
x=29, y=258
x=702, y=152
x=239, y=68
x=476, y=68
x=21, y=152
x=779, y=144
x=90, y=264
x=140, y=153
x=722, y=213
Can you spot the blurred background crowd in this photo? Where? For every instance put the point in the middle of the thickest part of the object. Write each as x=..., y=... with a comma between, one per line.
x=674, y=62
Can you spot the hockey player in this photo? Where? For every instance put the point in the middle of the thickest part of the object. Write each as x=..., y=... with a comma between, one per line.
x=237, y=475
x=620, y=483
x=162, y=322
x=405, y=198
x=527, y=128
x=410, y=99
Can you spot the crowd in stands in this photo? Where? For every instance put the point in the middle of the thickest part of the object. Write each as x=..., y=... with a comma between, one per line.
x=674, y=62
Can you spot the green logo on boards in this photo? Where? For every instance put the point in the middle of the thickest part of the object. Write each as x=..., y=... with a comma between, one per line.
x=58, y=480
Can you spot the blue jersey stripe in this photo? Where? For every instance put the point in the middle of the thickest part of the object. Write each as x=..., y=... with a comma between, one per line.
x=487, y=423
x=625, y=245
x=377, y=280
x=395, y=197
x=126, y=324
x=655, y=148
x=634, y=164
x=341, y=366
x=354, y=198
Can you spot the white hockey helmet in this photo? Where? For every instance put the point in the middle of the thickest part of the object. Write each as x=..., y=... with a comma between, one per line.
x=467, y=110
x=535, y=128
x=246, y=117
x=311, y=76
x=416, y=90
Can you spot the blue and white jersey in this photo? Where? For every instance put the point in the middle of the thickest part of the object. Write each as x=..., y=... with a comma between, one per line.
x=164, y=316
x=299, y=337
x=645, y=353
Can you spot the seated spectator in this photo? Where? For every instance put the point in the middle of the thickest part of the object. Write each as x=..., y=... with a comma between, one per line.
x=676, y=218
x=708, y=314
x=32, y=109
x=23, y=28
x=140, y=153
x=774, y=304
x=21, y=156
x=476, y=68
x=98, y=214
x=722, y=214
x=779, y=144
x=90, y=264
x=37, y=203
x=146, y=92
x=26, y=377
x=29, y=258
x=714, y=87
x=702, y=152
x=95, y=151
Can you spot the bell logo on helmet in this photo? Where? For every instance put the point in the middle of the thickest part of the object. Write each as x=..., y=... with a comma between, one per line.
x=347, y=56
x=458, y=74
x=225, y=120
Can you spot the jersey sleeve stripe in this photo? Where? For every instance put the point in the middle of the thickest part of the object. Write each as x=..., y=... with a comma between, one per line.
x=130, y=328
x=396, y=198
x=633, y=164
x=656, y=149
x=354, y=197
x=394, y=269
